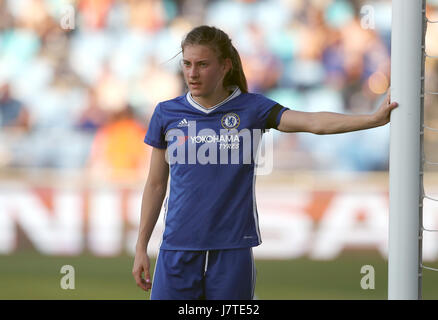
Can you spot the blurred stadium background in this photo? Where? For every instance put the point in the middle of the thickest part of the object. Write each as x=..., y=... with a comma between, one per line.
x=74, y=109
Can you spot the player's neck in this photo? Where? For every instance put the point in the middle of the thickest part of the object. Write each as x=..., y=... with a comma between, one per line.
x=213, y=99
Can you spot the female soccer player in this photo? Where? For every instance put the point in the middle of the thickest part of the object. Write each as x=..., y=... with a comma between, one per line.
x=207, y=137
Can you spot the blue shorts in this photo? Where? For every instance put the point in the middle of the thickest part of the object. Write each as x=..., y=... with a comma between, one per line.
x=212, y=275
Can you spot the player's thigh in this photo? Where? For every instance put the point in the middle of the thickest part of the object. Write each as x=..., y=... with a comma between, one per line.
x=230, y=274
x=178, y=275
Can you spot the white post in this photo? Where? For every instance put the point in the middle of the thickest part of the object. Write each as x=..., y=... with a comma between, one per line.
x=405, y=214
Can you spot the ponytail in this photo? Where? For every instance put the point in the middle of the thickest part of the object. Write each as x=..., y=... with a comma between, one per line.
x=221, y=43
x=236, y=76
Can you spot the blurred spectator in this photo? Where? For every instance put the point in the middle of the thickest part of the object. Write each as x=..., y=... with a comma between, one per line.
x=118, y=152
x=93, y=116
x=14, y=124
x=262, y=68
x=33, y=15
x=13, y=114
x=154, y=84
x=146, y=15
x=111, y=92
x=94, y=12
x=308, y=55
x=6, y=19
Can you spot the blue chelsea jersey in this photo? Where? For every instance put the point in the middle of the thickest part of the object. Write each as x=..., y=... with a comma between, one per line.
x=211, y=153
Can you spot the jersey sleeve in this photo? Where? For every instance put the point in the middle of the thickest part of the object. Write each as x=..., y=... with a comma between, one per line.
x=270, y=113
x=274, y=116
x=155, y=133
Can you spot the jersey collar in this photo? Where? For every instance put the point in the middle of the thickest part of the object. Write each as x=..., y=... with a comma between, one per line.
x=198, y=106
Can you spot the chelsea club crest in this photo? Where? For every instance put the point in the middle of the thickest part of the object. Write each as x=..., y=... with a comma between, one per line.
x=230, y=121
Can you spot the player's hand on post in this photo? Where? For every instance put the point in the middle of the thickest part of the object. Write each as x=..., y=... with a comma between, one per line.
x=382, y=115
x=141, y=265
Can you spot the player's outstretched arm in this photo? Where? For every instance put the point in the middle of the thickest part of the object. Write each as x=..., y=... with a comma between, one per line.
x=331, y=122
x=153, y=195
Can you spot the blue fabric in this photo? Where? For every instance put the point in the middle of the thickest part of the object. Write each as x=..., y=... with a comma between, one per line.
x=210, y=275
x=9, y=112
x=211, y=203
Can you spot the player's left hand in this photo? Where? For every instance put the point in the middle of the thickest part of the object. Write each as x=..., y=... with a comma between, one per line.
x=382, y=115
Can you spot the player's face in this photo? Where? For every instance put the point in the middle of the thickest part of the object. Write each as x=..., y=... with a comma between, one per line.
x=203, y=71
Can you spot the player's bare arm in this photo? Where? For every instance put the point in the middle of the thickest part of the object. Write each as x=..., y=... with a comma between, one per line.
x=331, y=122
x=153, y=195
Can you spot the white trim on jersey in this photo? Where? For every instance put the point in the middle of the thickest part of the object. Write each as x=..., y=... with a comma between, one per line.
x=198, y=106
x=153, y=275
x=206, y=262
x=254, y=206
x=166, y=203
x=254, y=201
x=253, y=274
